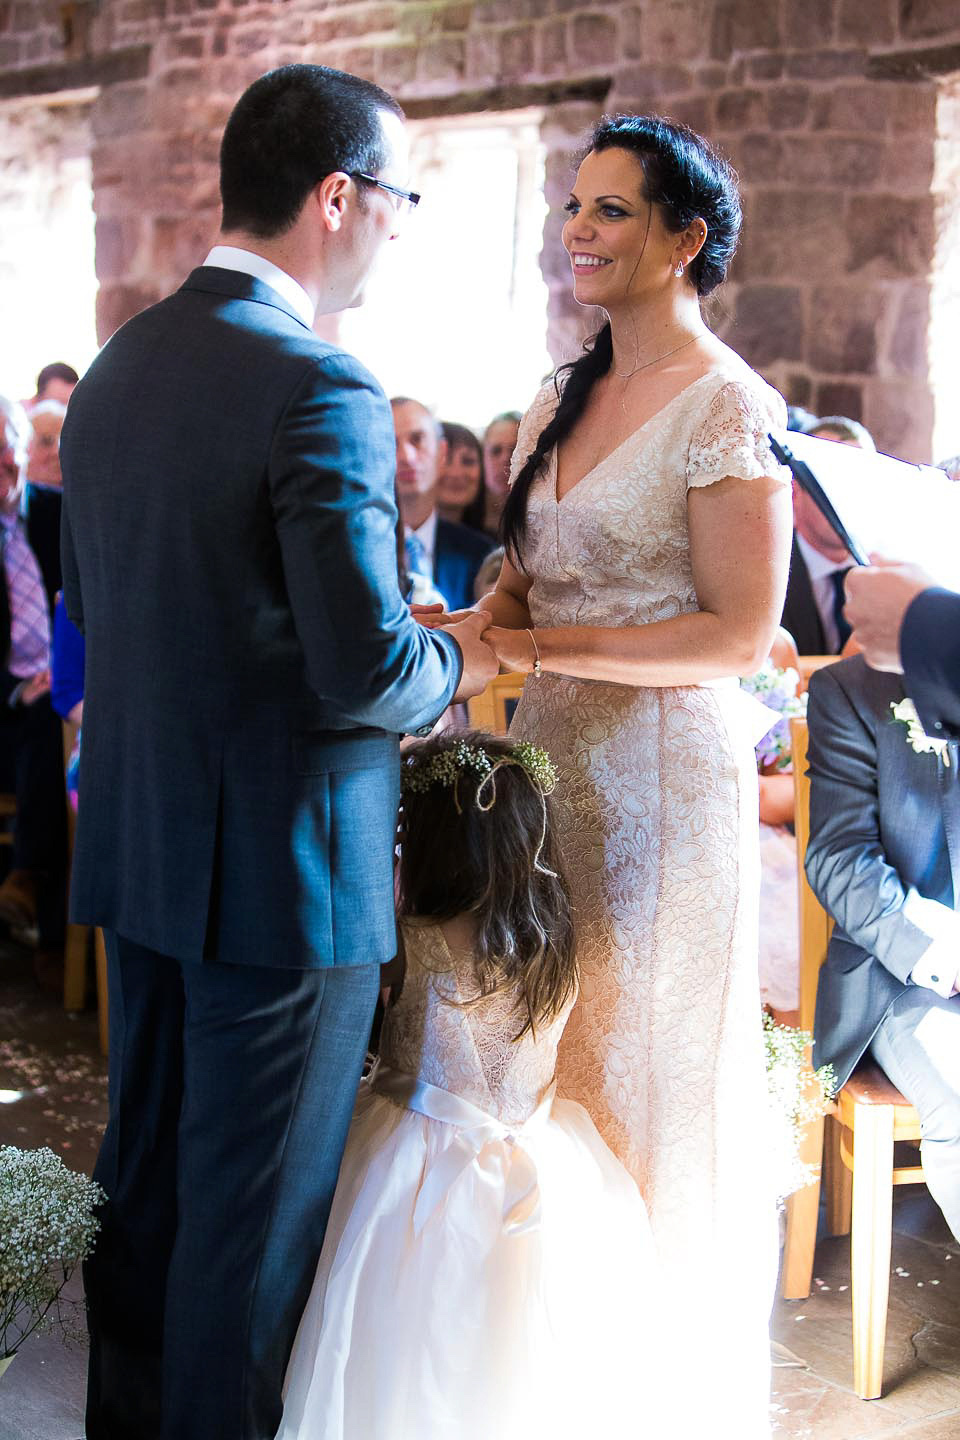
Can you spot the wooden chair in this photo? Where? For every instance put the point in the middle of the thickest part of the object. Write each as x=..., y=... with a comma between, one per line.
x=77, y=943
x=8, y=813
x=493, y=709
x=857, y=1143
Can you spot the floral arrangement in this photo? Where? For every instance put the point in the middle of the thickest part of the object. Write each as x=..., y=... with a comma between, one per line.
x=47, y=1227
x=777, y=689
x=917, y=738
x=463, y=759
x=797, y=1096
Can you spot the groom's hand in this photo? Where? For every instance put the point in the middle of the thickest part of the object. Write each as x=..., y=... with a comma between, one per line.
x=435, y=617
x=480, y=665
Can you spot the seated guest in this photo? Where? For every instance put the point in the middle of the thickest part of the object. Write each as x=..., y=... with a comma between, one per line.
x=55, y=382
x=31, y=752
x=884, y=860
x=841, y=429
x=499, y=443
x=449, y=555
x=460, y=495
x=44, y=494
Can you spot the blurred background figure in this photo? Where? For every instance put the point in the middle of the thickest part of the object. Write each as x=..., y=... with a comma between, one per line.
x=499, y=443
x=813, y=611
x=448, y=554
x=44, y=491
x=950, y=466
x=800, y=419
x=31, y=749
x=460, y=493
x=55, y=382
x=841, y=429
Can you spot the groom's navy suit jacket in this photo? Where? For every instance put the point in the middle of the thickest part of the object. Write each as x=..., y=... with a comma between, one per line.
x=930, y=652
x=228, y=550
x=884, y=821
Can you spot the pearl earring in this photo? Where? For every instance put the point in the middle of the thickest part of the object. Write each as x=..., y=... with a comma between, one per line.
x=679, y=270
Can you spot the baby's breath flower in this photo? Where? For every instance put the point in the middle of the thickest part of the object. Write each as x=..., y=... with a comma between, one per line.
x=47, y=1227
x=447, y=767
x=796, y=1098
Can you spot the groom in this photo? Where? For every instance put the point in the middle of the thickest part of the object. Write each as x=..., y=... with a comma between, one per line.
x=229, y=550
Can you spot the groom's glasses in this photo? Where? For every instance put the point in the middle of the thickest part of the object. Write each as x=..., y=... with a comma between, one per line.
x=406, y=200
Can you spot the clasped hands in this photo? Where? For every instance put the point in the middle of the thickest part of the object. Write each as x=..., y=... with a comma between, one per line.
x=487, y=648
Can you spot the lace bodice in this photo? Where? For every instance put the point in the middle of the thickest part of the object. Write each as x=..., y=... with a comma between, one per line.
x=615, y=549
x=468, y=1050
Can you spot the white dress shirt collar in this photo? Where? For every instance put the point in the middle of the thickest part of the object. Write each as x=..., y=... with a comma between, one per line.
x=231, y=257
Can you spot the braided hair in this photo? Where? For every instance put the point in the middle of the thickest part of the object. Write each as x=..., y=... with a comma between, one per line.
x=686, y=178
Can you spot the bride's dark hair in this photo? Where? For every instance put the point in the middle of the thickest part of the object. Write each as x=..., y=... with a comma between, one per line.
x=500, y=865
x=686, y=178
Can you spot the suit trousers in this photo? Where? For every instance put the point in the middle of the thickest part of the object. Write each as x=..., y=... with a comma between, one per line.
x=230, y=1094
x=918, y=1047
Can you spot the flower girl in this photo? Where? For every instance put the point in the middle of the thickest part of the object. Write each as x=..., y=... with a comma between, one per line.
x=488, y=1266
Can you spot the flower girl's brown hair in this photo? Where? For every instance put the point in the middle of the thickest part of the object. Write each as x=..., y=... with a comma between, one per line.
x=480, y=841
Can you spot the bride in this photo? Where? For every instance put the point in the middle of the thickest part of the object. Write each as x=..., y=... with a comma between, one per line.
x=647, y=534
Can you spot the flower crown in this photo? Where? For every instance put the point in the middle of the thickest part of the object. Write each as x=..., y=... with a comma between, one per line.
x=448, y=766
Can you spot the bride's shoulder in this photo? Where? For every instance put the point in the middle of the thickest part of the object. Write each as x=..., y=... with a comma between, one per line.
x=731, y=385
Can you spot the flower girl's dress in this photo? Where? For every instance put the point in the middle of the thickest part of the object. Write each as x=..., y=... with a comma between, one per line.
x=487, y=1272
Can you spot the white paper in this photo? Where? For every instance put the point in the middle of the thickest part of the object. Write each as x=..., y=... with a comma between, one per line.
x=905, y=512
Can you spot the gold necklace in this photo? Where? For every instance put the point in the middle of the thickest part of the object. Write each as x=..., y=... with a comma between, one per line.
x=621, y=376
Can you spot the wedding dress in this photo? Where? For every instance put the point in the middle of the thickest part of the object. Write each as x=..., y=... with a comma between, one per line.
x=657, y=811
x=488, y=1271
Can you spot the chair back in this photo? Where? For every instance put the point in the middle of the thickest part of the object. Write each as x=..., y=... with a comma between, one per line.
x=493, y=709
x=816, y=925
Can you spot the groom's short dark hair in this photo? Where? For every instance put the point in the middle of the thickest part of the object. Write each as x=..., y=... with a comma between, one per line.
x=289, y=130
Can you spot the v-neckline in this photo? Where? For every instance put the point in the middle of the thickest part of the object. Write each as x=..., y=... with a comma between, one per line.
x=559, y=499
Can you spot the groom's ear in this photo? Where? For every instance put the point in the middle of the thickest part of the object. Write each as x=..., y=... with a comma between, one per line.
x=332, y=197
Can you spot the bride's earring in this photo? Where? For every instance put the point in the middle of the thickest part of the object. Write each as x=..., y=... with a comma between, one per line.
x=679, y=270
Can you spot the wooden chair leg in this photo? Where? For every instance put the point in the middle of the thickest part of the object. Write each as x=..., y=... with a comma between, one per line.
x=803, y=1207
x=75, y=967
x=101, y=968
x=837, y=1179
x=870, y=1239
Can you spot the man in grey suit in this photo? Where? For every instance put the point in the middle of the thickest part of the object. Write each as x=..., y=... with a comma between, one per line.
x=229, y=551
x=884, y=860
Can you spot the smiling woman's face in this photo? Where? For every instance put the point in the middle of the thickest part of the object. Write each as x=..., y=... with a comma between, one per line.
x=618, y=244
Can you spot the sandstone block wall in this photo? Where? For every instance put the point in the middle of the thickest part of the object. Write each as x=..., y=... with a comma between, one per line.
x=840, y=115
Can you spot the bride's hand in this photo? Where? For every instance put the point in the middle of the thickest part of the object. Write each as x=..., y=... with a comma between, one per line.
x=513, y=648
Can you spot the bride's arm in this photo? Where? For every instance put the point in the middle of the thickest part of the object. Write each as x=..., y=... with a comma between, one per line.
x=739, y=551
x=507, y=602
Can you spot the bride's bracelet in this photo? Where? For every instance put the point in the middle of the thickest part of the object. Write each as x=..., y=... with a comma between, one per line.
x=537, y=667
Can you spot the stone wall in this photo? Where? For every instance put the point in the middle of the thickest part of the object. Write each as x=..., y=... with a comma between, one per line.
x=836, y=113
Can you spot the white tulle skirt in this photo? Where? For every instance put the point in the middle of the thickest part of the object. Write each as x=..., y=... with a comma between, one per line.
x=479, y=1285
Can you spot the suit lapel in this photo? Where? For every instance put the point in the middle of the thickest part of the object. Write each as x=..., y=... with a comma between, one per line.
x=800, y=614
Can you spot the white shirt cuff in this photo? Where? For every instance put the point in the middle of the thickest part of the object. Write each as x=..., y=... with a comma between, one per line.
x=937, y=968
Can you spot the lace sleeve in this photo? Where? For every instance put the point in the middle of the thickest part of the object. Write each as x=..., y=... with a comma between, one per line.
x=731, y=439
x=539, y=414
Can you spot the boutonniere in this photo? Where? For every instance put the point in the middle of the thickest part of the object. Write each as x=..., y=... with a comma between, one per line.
x=917, y=738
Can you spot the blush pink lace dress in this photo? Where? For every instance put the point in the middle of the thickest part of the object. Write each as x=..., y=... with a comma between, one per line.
x=488, y=1270
x=657, y=815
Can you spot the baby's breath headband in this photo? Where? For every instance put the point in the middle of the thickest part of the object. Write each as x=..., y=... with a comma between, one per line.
x=449, y=766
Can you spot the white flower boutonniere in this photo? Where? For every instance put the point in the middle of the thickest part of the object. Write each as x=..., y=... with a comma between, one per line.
x=917, y=738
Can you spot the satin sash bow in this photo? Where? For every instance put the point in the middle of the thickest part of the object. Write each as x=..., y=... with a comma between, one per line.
x=494, y=1151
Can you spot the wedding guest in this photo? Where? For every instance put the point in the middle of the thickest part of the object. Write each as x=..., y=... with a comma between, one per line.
x=449, y=555
x=499, y=443
x=460, y=494
x=31, y=753
x=44, y=491
x=950, y=466
x=903, y=621
x=488, y=1270
x=647, y=533
x=66, y=688
x=884, y=860
x=798, y=418
x=55, y=382
x=841, y=429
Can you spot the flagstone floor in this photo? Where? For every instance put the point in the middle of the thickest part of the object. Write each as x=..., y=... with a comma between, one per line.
x=53, y=1092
